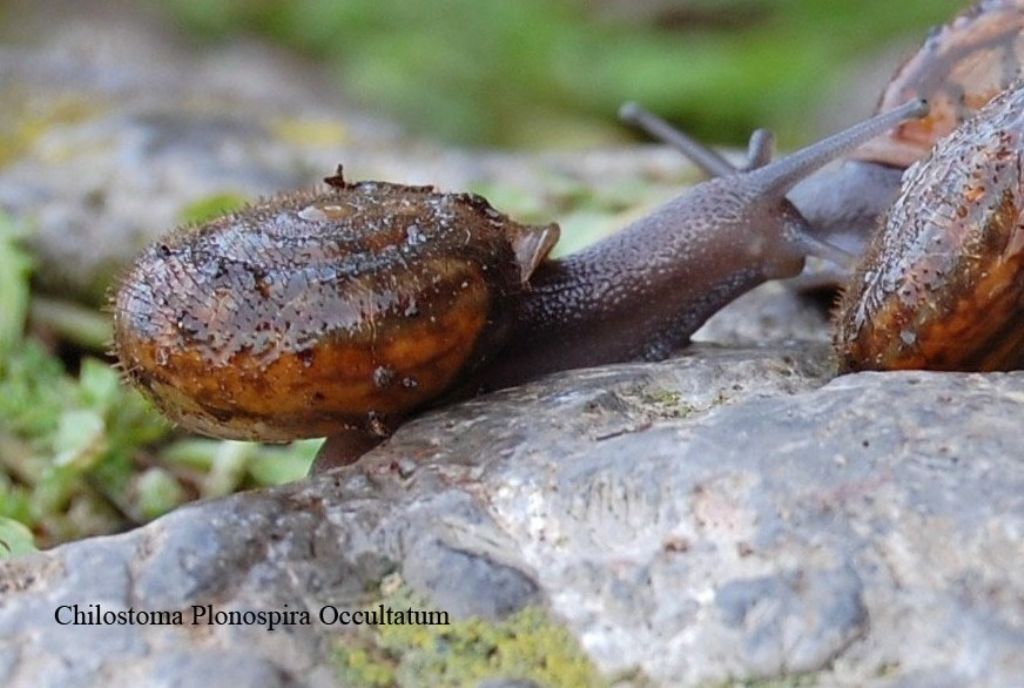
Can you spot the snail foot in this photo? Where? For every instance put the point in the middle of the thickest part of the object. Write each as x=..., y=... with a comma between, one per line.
x=344, y=448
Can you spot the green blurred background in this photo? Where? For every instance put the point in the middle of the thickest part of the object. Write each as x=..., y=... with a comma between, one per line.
x=81, y=454
x=539, y=73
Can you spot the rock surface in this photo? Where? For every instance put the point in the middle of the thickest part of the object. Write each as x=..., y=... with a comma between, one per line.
x=734, y=514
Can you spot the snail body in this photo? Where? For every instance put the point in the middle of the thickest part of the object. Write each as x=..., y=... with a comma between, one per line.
x=341, y=312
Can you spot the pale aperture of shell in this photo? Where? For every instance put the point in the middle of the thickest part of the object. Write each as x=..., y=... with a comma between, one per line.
x=955, y=227
x=347, y=263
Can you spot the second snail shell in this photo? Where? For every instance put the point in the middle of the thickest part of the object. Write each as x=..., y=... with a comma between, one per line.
x=942, y=284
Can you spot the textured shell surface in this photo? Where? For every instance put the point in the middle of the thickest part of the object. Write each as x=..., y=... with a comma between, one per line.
x=319, y=310
x=942, y=285
x=960, y=67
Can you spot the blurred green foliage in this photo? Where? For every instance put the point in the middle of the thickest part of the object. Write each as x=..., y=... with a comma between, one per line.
x=15, y=266
x=209, y=207
x=553, y=72
x=15, y=538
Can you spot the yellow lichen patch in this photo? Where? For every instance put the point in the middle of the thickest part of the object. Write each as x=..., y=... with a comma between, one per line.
x=528, y=645
x=30, y=118
x=309, y=132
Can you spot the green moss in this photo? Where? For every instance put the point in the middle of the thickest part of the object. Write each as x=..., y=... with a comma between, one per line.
x=666, y=403
x=157, y=492
x=527, y=645
x=88, y=455
x=801, y=680
x=210, y=207
x=276, y=465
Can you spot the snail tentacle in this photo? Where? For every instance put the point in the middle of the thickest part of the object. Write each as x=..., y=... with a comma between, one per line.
x=708, y=160
x=780, y=176
x=760, y=150
x=811, y=245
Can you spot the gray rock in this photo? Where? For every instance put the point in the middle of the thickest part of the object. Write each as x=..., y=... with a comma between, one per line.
x=731, y=514
x=774, y=312
x=467, y=583
x=794, y=620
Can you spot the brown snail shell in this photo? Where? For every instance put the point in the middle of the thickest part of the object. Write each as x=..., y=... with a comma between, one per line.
x=322, y=310
x=960, y=67
x=942, y=285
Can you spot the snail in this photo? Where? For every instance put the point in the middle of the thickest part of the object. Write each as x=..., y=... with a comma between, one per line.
x=942, y=284
x=340, y=312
